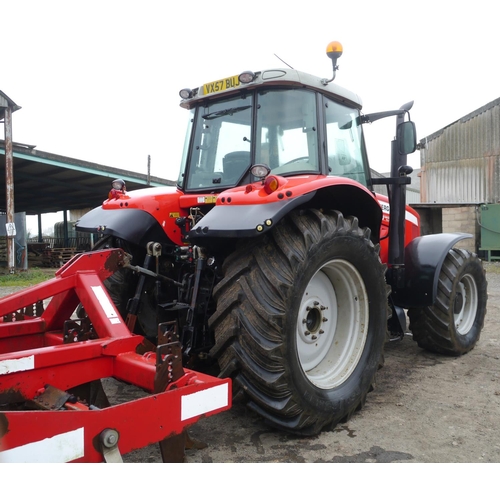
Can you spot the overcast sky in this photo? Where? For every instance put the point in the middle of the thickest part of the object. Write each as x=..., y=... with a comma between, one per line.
x=99, y=80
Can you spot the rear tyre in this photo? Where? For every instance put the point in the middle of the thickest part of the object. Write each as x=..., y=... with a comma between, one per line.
x=121, y=287
x=453, y=324
x=121, y=284
x=301, y=321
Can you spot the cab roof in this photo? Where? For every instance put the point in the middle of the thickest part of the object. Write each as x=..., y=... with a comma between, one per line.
x=269, y=77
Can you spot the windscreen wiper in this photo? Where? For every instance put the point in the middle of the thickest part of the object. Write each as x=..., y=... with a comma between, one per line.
x=224, y=112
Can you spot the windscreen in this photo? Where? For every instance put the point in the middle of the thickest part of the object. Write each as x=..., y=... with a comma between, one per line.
x=223, y=147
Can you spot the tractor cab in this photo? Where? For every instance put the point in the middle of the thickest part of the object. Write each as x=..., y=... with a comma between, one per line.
x=292, y=122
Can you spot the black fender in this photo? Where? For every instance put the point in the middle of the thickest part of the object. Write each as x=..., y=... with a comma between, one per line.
x=243, y=221
x=133, y=225
x=424, y=257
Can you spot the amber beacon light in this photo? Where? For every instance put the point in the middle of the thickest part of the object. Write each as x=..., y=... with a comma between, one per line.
x=334, y=50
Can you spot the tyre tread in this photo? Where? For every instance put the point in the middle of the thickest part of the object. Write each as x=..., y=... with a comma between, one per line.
x=251, y=298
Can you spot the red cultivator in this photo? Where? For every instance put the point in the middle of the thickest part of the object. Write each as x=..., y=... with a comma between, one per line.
x=51, y=368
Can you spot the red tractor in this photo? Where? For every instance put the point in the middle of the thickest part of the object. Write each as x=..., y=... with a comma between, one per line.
x=274, y=260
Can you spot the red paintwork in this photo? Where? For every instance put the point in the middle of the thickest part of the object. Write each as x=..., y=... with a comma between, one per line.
x=166, y=204
x=412, y=226
x=40, y=340
x=163, y=203
x=296, y=185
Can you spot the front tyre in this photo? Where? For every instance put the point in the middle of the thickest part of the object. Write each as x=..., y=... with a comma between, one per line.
x=301, y=320
x=453, y=324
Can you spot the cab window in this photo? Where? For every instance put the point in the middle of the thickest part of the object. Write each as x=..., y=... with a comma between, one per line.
x=344, y=139
x=287, y=131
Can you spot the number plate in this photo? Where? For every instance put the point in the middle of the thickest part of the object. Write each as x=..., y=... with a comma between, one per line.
x=221, y=85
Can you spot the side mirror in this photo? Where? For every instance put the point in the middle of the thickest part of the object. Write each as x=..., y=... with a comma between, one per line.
x=406, y=138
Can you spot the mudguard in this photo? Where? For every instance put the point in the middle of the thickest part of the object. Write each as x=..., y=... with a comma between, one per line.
x=424, y=257
x=239, y=221
x=238, y=214
x=136, y=226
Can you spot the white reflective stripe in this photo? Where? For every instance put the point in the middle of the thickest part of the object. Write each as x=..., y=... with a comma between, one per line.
x=204, y=401
x=57, y=449
x=106, y=304
x=410, y=217
x=17, y=365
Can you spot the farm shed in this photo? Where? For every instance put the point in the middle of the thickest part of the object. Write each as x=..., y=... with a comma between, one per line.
x=460, y=179
x=45, y=182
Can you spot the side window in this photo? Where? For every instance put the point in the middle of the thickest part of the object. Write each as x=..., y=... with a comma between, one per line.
x=185, y=150
x=221, y=149
x=287, y=127
x=345, y=157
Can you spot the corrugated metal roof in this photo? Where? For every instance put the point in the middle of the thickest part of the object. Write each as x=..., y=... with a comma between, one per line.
x=45, y=182
x=6, y=102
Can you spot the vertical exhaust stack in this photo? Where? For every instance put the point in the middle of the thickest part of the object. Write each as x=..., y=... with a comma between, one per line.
x=401, y=146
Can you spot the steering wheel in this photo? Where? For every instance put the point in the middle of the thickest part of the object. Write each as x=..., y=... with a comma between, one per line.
x=296, y=160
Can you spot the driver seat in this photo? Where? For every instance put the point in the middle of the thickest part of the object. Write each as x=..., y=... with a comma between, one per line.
x=234, y=165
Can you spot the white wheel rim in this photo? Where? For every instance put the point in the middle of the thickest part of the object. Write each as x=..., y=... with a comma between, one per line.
x=332, y=324
x=465, y=306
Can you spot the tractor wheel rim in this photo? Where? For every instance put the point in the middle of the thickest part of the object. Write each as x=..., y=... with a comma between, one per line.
x=332, y=324
x=466, y=304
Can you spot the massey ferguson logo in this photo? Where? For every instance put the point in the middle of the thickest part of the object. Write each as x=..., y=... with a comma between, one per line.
x=385, y=207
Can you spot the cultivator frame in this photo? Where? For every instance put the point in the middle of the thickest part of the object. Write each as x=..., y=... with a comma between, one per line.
x=45, y=354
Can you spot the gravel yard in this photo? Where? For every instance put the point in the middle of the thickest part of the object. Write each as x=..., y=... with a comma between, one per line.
x=426, y=408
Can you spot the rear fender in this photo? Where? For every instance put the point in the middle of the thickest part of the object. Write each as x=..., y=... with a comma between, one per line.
x=424, y=257
x=133, y=225
x=250, y=220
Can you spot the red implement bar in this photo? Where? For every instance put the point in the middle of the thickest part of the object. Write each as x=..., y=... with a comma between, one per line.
x=42, y=358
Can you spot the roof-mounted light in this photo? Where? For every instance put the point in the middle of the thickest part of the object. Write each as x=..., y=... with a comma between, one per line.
x=186, y=93
x=247, y=77
x=333, y=50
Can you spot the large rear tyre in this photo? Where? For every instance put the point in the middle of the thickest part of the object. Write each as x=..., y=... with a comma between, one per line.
x=453, y=324
x=121, y=287
x=121, y=284
x=301, y=321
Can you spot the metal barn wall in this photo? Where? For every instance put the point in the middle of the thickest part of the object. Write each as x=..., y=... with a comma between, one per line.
x=412, y=190
x=461, y=162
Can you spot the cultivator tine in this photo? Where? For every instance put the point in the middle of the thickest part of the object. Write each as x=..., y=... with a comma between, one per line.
x=169, y=369
x=172, y=449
